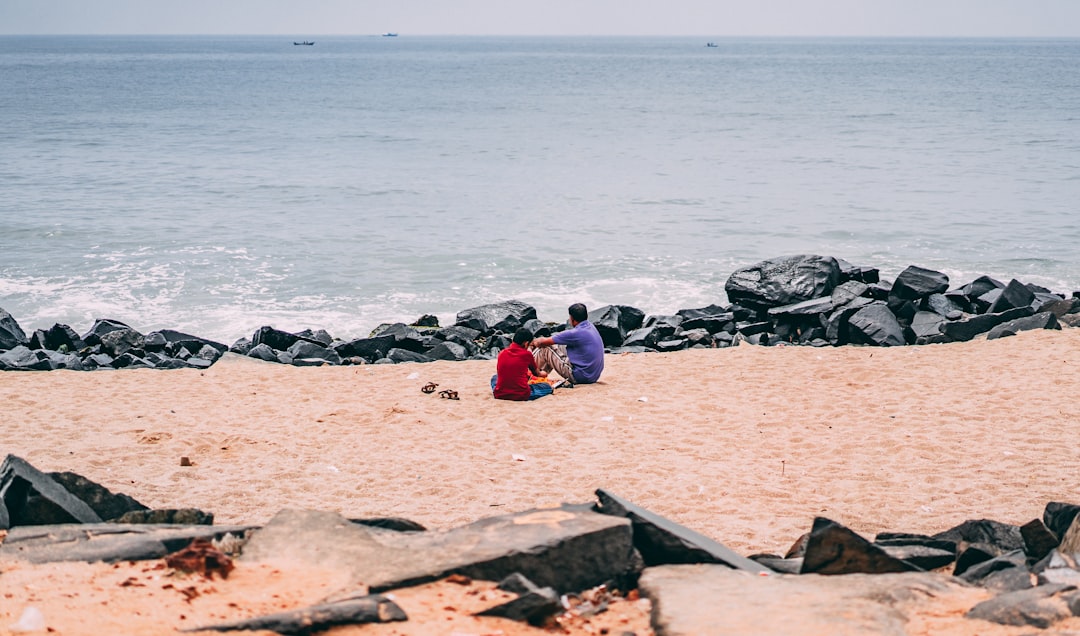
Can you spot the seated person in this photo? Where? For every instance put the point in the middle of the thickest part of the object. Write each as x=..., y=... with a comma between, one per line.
x=514, y=368
x=576, y=354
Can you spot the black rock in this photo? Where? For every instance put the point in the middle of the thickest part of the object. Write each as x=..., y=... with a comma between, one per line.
x=405, y=337
x=101, y=500
x=661, y=541
x=404, y=355
x=316, y=618
x=1058, y=517
x=968, y=328
x=941, y=304
x=370, y=349
x=32, y=498
x=427, y=320
x=448, y=351
x=812, y=307
x=242, y=346
x=980, y=286
x=904, y=538
x=834, y=549
x=836, y=326
x=1008, y=580
x=608, y=322
x=21, y=358
x=11, y=334
x=273, y=338
x=844, y=293
x=672, y=344
x=56, y=338
x=317, y=336
x=534, y=606
x=713, y=319
x=302, y=349
x=176, y=340
x=976, y=572
x=262, y=351
x=119, y=341
x=396, y=524
x=101, y=327
x=875, y=324
x=920, y=556
x=1037, y=607
x=505, y=317
x=918, y=282
x=175, y=516
x=926, y=327
x=1039, y=540
x=1003, y=537
x=783, y=281
x=1045, y=320
x=1015, y=295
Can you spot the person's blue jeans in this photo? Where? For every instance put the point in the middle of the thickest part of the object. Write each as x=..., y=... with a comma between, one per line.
x=536, y=391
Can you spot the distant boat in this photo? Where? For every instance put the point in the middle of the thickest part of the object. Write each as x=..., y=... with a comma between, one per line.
x=389, y=35
x=304, y=43
x=711, y=45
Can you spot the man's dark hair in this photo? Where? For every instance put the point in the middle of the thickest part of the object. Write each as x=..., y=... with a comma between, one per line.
x=522, y=335
x=578, y=312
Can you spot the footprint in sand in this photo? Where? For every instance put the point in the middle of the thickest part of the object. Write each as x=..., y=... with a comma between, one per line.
x=153, y=438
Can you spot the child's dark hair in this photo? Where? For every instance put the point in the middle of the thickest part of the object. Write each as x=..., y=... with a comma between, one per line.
x=522, y=335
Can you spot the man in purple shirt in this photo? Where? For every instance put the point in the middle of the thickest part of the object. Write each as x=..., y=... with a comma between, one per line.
x=576, y=354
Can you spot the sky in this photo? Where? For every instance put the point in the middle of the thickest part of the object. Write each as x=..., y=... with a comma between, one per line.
x=716, y=18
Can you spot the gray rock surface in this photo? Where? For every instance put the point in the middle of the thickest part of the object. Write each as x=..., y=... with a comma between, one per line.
x=107, y=542
x=696, y=600
x=564, y=548
x=1037, y=607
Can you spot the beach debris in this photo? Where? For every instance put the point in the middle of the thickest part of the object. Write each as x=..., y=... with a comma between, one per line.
x=449, y=394
x=415, y=375
x=31, y=620
x=429, y=387
x=185, y=460
x=201, y=557
x=317, y=618
x=517, y=458
x=534, y=605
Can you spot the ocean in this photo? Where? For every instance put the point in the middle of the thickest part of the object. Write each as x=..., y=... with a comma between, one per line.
x=217, y=184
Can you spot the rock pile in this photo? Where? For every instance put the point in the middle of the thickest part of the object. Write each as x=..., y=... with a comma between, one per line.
x=831, y=578
x=805, y=300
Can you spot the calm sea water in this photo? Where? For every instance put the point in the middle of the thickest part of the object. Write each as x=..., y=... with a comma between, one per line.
x=217, y=184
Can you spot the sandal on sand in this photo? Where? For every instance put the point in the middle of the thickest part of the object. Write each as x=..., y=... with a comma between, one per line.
x=429, y=387
x=449, y=394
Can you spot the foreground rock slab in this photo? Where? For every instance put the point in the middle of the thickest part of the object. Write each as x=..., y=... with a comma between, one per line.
x=568, y=548
x=710, y=599
x=317, y=618
x=662, y=541
x=108, y=542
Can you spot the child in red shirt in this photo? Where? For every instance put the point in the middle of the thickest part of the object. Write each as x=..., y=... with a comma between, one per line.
x=514, y=368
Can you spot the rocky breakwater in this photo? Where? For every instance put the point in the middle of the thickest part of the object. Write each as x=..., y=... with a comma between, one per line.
x=795, y=300
x=574, y=561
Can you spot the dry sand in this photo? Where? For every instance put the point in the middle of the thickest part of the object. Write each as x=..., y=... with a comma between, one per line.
x=746, y=445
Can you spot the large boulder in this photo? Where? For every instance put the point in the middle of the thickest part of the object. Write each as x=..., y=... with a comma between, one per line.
x=918, y=282
x=11, y=334
x=101, y=327
x=783, y=281
x=614, y=322
x=273, y=338
x=505, y=317
x=370, y=349
x=968, y=328
x=1045, y=320
x=877, y=325
x=56, y=338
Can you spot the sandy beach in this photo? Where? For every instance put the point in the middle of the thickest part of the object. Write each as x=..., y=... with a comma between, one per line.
x=746, y=445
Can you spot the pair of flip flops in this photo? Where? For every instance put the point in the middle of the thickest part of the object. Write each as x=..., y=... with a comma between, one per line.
x=448, y=394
